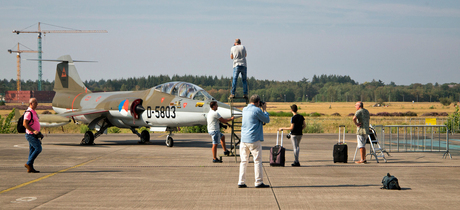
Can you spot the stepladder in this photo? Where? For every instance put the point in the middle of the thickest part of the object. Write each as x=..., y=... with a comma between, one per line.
x=374, y=147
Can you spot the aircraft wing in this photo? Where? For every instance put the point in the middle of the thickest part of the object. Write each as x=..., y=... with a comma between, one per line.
x=82, y=112
x=47, y=120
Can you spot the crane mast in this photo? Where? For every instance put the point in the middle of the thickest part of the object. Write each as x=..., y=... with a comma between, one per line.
x=40, y=32
x=18, y=56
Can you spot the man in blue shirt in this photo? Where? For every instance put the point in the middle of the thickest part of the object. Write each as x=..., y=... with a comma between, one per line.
x=252, y=135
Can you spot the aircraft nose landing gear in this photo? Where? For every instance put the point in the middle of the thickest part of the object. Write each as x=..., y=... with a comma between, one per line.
x=169, y=141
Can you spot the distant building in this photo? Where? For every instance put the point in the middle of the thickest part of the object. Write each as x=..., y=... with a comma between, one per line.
x=23, y=96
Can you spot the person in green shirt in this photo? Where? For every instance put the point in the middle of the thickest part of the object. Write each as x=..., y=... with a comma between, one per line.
x=361, y=120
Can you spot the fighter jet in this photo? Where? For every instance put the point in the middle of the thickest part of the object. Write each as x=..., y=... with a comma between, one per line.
x=164, y=107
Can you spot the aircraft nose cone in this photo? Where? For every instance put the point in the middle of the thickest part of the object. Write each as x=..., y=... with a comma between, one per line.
x=237, y=112
x=139, y=109
x=225, y=111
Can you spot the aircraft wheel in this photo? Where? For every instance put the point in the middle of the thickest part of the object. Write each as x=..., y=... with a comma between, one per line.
x=145, y=136
x=88, y=139
x=169, y=141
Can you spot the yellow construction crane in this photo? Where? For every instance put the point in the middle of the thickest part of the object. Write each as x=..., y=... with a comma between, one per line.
x=40, y=32
x=19, y=63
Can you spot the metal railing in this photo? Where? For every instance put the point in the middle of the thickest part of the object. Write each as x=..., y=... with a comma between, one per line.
x=414, y=138
x=422, y=120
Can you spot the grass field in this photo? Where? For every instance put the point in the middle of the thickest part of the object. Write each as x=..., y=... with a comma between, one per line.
x=327, y=123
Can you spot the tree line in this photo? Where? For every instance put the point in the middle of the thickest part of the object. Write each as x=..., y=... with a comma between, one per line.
x=322, y=88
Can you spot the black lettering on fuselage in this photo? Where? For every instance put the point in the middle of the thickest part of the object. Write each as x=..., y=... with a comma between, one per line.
x=161, y=112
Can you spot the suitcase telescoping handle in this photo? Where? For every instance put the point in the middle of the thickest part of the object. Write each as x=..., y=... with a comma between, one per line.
x=343, y=138
x=277, y=136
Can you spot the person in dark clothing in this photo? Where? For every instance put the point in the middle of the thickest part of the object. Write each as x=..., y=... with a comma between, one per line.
x=297, y=125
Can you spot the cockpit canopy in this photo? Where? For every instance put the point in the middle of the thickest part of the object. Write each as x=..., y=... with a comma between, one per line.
x=184, y=89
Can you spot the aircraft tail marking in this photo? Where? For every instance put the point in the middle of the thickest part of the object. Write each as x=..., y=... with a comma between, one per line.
x=67, y=78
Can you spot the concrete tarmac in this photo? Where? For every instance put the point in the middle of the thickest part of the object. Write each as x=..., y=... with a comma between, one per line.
x=119, y=173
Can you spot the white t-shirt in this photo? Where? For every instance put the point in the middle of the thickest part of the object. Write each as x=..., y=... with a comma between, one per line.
x=213, y=121
x=239, y=55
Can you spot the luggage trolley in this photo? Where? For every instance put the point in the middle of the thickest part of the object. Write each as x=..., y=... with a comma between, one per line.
x=374, y=148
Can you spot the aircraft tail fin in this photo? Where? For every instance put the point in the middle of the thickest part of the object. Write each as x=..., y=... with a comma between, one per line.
x=67, y=78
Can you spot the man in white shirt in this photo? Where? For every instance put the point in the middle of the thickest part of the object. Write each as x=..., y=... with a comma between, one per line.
x=214, y=130
x=238, y=55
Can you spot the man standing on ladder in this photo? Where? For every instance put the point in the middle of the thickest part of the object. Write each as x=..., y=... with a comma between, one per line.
x=361, y=120
x=238, y=55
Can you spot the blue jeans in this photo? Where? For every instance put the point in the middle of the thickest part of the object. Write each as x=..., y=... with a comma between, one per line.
x=236, y=71
x=215, y=136
x=35, y=147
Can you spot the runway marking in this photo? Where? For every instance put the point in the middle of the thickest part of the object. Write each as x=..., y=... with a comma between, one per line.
x=24, y=199
x=47, y=176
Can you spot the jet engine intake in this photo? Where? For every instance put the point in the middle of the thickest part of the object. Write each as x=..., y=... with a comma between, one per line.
x=136, y=108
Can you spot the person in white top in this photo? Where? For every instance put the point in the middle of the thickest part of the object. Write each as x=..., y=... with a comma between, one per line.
x=214, y=130
x=238, y=55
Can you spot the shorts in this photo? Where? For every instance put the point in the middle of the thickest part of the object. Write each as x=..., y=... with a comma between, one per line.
x=216, y=136
x=361, y=141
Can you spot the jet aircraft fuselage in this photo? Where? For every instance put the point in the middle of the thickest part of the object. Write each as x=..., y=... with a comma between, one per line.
x=161, y=108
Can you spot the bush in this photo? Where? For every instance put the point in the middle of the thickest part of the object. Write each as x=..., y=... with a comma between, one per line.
x=313, y=128
x=84, y=128
x=280, y=114
x=5, y=123
x=2, y=103
x=409, y=113
x=443, y=114
x=113, y=130
x=315, y=114
x=445, y=101
x=46, y=112
x=335, y=114
x=430, y=114
x=143, y=129
x=194, y=129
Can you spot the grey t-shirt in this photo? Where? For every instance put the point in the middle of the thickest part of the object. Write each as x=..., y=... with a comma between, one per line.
x=239, y=55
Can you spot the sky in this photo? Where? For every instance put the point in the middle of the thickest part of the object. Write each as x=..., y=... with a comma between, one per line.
x=404, y=42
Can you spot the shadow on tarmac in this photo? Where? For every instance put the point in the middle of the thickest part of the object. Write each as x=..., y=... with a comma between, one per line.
x=320, y=186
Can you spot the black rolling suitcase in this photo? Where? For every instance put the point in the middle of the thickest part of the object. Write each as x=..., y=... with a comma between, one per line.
x=277, y=153
x=340, y=152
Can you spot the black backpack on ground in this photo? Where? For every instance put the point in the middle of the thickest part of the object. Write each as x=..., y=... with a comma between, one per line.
x=20, y=126
x=390, y=182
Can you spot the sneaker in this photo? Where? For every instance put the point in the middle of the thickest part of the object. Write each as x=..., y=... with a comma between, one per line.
x=232, y=96
x=361, y=162
x=227, y=153
x=262, y=186
x=245, y=96
x=216, y=161
x=295, y=164
x=242, y=186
